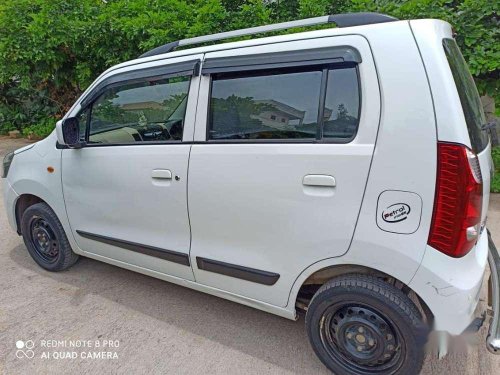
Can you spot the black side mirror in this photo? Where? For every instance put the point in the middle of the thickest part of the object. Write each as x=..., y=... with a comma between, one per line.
x=71, y=132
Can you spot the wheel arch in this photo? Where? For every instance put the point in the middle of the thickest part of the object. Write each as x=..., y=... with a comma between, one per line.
x=35, y=189
x=22, y=203
x=303, y=290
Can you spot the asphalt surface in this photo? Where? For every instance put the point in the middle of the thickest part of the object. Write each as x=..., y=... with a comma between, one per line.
x=145, y=325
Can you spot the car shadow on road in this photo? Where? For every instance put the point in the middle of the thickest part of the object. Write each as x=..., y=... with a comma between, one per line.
x=264, y=336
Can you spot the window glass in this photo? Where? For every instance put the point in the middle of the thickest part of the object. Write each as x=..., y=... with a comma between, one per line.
x=284, y=104
x=82, y=123
x=269, y=106
x=147, y=111
x=469, y=97
x=341, y=113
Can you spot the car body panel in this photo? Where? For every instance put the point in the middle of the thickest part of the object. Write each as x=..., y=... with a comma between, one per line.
x=248, y=204
x=409, y=102
x=114, y=199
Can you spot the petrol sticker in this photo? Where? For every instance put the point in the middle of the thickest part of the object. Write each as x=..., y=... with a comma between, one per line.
x=396, y=213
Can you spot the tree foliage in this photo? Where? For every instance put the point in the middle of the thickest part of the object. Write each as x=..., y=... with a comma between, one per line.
x=50, y=51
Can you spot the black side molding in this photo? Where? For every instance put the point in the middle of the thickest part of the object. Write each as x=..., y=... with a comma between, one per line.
x=171, y=256
x=239, y=272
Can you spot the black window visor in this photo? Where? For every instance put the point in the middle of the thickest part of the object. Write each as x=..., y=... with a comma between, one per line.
x=187, y=68
x=319, y=56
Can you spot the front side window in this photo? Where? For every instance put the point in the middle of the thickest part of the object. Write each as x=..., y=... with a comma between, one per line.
x=145, y=111
x=83, y=117
x=294, y=104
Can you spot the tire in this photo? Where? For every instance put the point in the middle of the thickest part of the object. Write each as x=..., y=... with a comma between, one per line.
x=359, y=324
x=45, y=239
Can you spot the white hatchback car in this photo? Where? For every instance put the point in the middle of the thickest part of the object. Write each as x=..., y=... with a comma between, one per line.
x=343, y=172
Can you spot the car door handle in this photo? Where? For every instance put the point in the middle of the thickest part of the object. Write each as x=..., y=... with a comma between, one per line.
x=164, y=174
x=319, y=180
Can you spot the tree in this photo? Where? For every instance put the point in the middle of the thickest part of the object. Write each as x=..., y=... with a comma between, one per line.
x=50, y=51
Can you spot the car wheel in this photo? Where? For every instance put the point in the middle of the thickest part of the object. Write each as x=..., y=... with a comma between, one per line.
x=45, y=239
x=360, y=324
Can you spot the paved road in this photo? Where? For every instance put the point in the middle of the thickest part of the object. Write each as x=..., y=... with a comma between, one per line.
x=160, y=327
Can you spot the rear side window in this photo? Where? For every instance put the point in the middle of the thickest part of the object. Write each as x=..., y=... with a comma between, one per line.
x=469, y=97
x=285, y=104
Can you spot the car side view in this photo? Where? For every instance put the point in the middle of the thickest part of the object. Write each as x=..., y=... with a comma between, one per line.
x=343, y=173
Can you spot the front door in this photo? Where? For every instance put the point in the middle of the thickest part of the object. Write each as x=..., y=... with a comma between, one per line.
x=125, y=191
x=277, y=176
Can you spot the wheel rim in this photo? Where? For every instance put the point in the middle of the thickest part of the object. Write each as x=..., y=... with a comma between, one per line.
x=43, y=239
x=360, y=339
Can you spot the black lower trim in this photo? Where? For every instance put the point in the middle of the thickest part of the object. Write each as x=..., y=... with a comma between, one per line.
x=240, y=272
x=171, y=256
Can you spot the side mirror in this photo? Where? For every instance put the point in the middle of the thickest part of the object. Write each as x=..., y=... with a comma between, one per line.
x=68, y=132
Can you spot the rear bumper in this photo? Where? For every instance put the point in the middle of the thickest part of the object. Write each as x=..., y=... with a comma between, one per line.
x=493, y=338
x=451, y=287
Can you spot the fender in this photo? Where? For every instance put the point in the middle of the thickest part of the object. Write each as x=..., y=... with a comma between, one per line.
x=29, y=186
x=383, y=259
x=30, y=174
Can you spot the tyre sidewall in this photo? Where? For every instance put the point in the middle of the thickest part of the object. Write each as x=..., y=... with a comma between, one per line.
x=45, y=213
x=409, y=333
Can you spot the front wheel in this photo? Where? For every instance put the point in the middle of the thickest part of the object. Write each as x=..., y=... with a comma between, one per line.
x=359, y=324
x=45, y=239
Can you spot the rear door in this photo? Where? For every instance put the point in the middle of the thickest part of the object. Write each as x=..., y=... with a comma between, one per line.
x=284, y=138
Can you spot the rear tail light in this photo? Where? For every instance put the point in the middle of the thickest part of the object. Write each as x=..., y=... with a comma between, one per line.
x=456, y=219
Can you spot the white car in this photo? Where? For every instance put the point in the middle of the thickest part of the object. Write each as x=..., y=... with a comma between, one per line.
x=343, y=172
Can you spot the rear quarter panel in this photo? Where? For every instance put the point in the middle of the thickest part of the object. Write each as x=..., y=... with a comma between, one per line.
x=442, y=281
x=404, y=158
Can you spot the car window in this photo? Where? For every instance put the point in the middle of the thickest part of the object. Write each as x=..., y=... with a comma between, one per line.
x=341, y=113
x=469, y=96
x=82, y=123
x=145, y=111
x=284, y=104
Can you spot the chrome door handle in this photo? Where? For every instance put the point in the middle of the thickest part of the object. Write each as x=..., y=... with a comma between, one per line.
x=164, y=174
x=319, y=180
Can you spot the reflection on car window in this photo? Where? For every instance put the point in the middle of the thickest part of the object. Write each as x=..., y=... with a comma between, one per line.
x=82, y=123
x=146, y=111
x=284, y=105
x=341, y=114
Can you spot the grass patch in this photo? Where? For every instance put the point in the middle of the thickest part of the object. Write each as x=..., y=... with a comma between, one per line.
x=495, y=182
x=40, y=130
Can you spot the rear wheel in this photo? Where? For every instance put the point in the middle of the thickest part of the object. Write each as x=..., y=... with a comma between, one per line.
x=359, y=324
x=45, y=239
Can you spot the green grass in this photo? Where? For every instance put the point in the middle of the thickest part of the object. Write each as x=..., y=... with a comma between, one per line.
x=495, y=182
x=40, y=130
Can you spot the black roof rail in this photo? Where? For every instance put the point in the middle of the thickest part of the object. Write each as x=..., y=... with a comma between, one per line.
x=341, y=20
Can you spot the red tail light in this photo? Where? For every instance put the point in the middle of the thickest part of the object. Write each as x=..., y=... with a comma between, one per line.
x=456, y=219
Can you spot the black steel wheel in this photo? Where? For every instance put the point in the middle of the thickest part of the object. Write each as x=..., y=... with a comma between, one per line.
x=45, y=239
x=359, y=324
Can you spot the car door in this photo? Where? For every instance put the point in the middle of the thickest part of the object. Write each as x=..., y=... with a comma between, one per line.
x=284, y=136
x=125, y=190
